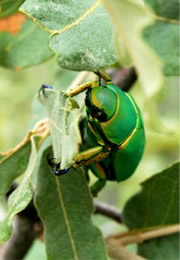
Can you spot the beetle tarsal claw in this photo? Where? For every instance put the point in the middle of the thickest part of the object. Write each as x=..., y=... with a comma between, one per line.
x=42, y=89
x=55, y=167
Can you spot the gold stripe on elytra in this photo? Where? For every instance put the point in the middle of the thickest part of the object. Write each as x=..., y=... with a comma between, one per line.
x=127, y=139
x=135, y=129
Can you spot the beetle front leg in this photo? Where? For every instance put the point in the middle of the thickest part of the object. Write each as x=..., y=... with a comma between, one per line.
x=103, y=75
x=91, y=155
x=80, y=89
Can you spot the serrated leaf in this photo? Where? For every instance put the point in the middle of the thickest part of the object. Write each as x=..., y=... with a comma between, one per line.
x=65, y=206
x=158, y=202
x=9, y=7
x=81, y=32
x=22, y=42
x=21, y=197
x=156, y=205
x=13, y=166
x=63, y=120
x=130, y=19
x=165, y=248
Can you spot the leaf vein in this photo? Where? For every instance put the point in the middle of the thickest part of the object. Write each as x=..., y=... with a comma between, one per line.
x=80, y=19
x=170, y=204
x=61, y=200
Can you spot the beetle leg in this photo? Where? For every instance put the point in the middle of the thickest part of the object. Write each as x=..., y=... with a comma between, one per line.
x=91, y=155
x=42, y=89
x=87, y=85
x=97, y=187
x=55, y=167
x=103, y=75
x=58, y=172
x=51, y=163
x=80, y=89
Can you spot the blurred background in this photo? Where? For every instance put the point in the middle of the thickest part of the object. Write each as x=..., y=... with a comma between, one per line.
x=19, y=111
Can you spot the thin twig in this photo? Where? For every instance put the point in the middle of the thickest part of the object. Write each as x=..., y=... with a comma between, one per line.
x=107, y=210
x=139, y=236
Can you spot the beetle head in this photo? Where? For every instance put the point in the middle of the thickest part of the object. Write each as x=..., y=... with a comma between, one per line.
x=101, y=103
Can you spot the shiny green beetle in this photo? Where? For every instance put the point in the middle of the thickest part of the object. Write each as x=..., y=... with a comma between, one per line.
x=114, y=136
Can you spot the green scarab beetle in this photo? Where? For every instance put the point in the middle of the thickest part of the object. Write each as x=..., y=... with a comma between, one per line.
x=113, y=136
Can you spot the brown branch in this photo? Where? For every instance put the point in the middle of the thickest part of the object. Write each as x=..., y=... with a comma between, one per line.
x=107, y=210
x=21, y=240
x=123, y=78
x=140, y=236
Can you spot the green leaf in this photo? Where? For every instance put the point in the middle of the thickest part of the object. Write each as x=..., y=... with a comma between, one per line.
x=9, y=7
x=165, y=248
x=63, y=120
x=163, y=37
x=65, y=206
x=158, y=202
x=81, y=32
x=25, y=47
x=163, y=8
x=130, y=19
x=156, y=205
x=21, y=197
x=13, y=166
